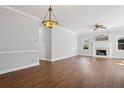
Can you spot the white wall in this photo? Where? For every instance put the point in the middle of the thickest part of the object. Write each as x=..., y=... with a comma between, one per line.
x=0, y=36
x=20, y=41
x=114, y=34
x=20, y=32
x=15, y=61
x=89, y=37
x=64, y=44
x=1, y=45
x=23, y=43
x=45, y=43
x=57, y=44
x=1, y=61
x=114, y=38
x=1, y=33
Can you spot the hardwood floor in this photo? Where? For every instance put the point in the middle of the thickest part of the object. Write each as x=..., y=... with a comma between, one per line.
x=75, y=72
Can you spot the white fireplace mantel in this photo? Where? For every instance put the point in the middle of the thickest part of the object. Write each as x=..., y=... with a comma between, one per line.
x=105, y=45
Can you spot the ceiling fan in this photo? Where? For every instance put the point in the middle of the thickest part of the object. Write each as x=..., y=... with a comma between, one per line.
x=98, y=26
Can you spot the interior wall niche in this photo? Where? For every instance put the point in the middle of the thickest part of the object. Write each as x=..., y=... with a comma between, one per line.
x=102, y=38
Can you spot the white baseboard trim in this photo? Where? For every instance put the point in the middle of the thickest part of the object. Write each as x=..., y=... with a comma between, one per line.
x=61, y=58
x=45, y=59
x=84, y=55
x=18, y=68
x=56, y=59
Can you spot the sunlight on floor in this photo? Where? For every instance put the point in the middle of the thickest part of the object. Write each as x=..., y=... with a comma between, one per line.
x=120, y=63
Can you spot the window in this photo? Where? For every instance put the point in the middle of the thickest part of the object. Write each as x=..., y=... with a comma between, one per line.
x=85, y=44
x=121, y=43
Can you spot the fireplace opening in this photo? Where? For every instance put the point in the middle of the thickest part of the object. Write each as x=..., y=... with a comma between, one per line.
x=101, y=52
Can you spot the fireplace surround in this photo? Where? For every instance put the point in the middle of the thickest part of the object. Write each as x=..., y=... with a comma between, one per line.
x=102, y=52
x=102, y=49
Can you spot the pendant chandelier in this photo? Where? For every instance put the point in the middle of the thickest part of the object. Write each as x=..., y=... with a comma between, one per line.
x=50, y=20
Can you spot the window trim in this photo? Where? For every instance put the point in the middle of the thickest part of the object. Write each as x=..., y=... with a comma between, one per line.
x=119, y=43
x=83, y=44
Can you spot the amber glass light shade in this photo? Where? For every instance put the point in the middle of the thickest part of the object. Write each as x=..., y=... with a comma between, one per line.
x=51, y=21
x=51, y=24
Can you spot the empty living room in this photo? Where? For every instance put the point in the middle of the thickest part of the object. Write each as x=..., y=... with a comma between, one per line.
x=61, y=46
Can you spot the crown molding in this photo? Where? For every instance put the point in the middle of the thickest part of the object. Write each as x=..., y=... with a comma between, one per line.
x=65, y=29
x=30, y=16
x=20, y=12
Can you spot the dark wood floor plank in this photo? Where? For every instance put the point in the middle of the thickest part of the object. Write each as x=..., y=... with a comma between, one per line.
x=75, y=72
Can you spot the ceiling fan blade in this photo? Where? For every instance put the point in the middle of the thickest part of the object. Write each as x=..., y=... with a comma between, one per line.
x=103, y=27
x=98, y=26
x=95, y=29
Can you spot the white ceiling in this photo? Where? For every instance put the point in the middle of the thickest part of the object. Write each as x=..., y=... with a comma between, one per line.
x=79, y=18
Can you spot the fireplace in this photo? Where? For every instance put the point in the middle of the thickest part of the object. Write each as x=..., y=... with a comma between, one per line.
x=102, y=49
x=100, y=52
